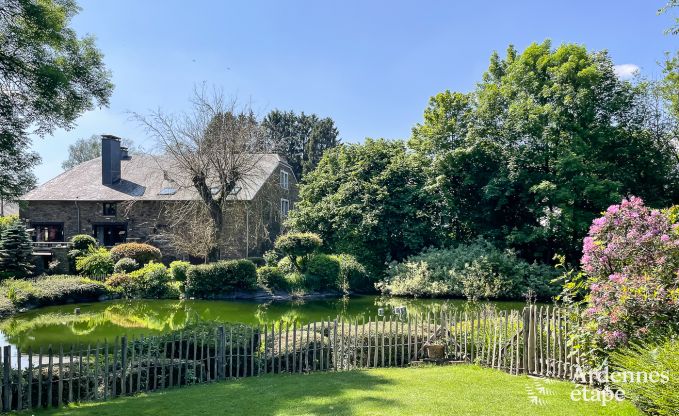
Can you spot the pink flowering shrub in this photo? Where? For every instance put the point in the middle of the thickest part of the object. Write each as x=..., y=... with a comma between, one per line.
x=631, y=259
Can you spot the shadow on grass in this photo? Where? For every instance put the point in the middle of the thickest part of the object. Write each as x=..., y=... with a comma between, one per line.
x=319, y=393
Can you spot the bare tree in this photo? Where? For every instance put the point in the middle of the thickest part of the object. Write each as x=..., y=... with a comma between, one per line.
x=216, y=148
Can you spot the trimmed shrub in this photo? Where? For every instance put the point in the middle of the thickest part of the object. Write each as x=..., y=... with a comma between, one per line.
x=208, y=280
x=353, y=276
x=51, y=290
x=178, y=269
x=97, y=262
x=142, y=253
x=83, y=242
x=296, y=245
x=285, y=265
x=653, y=398
x=125, y=265
x=271, y=278
x=322, y=272
x=151, y=281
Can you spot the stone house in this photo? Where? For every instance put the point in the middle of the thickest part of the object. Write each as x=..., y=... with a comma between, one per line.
x=120, y=198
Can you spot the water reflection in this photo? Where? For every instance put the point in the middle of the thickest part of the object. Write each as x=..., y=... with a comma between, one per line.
x=97, y=322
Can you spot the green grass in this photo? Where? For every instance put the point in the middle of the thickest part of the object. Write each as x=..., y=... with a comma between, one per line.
x=458, y=390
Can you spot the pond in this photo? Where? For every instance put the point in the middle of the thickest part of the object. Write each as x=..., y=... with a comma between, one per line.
x=99, y=321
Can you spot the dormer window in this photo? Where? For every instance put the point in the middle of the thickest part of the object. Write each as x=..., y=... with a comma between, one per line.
x=285, y=179
x=109, y=209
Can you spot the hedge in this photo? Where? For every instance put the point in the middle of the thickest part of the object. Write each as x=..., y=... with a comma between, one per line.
x=226, y=276
x=142, y=253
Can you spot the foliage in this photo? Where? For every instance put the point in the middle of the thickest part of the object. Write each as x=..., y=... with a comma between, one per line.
x=353, y=276
x=548, y=139
x=83, y=242
x=226, y=276
x=87, y=149
x=476, y=271
x=296, y=245
x=271, y=278
x=368, y=200
x=150, y=282
x=96, y=262
x=142, y=253
x=126, y=265
x=48, y=77
x=178, y=270
x=51, y=290
x=322, y=272
x=16, y=250
x=6, y=221
x=302, y=138
x=631, y=260
x=653, y=357
x=271, y=257
x=258, y=261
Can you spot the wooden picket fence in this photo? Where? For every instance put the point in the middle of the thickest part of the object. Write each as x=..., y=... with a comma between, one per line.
x=532, y=341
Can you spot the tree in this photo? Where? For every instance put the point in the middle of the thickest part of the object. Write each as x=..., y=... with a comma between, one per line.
x=48, y=77
x=368, y=200
x=87, y=149
x=671, y=66
x=547, y=140
x=301, y=138
x=215, y=147
x=16, y=250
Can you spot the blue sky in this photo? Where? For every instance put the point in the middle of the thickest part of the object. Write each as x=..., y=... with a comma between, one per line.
x=370, y=65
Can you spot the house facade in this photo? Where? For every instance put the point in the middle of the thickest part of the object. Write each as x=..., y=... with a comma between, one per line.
x=121, y=198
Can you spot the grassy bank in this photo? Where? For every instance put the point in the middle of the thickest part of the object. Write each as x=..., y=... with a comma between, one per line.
x=459, y=390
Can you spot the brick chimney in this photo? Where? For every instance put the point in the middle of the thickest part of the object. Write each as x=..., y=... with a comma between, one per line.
x=110, y=159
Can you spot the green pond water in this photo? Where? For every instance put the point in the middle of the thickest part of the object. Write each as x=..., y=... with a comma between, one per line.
x=100, y=321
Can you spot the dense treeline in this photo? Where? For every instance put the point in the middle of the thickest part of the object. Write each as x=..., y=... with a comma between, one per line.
x=548, y=139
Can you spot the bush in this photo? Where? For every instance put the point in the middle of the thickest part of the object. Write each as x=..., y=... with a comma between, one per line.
x=142, y=253
x=654, y=398
x=272, y=257
x=630, y=259
x=209, y=280
x=271, y=278
x=16, y=250
x=97, y=262
x=7, y=221
x=353, y=276
x=125, y=265
x=178, y=270
x=475, y=271
x=285, y=265
x=296, y=245
x=322, y=272
x=83, y=242
x=51, y=290
x=151, y=282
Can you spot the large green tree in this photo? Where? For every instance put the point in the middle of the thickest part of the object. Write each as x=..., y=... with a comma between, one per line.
x=87, y=149
x=548, y=139
x=48, y=77
x=302, y=138
x=368, y=200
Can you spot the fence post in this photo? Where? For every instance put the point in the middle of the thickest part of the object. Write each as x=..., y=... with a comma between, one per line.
x=6, y=386
x=123, y=364
x=221, y=347
x=526, y=326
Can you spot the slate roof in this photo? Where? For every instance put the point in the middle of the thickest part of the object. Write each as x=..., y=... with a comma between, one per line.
x=143, y=178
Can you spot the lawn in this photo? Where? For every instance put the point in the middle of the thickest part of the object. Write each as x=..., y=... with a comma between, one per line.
x=458, y=390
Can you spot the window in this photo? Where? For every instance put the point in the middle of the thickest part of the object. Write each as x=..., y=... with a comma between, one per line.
x=285, y=207
x=109, y=209
x=285, y=182
x=48, y=232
